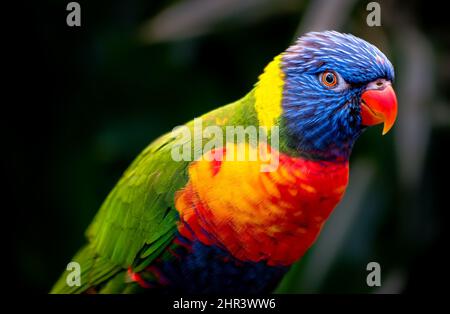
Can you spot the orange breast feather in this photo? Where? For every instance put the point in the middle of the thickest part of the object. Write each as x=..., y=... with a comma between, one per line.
x=256, y=216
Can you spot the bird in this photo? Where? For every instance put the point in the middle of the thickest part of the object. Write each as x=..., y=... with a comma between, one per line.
x=213, y=224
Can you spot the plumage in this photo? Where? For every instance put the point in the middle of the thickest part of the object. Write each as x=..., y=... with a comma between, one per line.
x=218, y=225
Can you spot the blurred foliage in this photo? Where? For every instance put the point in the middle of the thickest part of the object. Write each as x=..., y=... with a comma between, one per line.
x=135, y=69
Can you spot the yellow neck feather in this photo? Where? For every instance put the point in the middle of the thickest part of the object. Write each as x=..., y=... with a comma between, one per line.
x=269, y=92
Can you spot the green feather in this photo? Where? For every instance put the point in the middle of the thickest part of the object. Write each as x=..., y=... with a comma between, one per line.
x=94, y=270
x=137, y=221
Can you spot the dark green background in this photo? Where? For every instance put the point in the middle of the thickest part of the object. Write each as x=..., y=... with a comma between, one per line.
x=91, y=98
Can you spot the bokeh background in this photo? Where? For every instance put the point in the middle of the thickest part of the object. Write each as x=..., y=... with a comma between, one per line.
x=92, y=97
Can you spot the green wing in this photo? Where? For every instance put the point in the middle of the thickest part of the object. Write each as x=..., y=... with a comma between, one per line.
x=138, y=218
x=140, y=209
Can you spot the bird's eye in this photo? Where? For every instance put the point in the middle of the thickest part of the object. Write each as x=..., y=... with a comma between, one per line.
x=329, y=79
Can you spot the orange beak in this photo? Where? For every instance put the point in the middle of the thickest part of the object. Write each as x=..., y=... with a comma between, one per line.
x=379, y=105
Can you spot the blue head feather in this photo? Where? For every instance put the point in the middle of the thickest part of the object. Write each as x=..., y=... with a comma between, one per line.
x=321, y=122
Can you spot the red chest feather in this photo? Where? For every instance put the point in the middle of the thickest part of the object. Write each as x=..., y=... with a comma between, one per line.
x=272, y=216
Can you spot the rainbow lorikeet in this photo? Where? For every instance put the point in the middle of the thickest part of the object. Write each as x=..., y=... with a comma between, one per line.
x=220, y=226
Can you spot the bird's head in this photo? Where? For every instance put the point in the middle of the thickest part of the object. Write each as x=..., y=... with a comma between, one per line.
x=334, y=86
